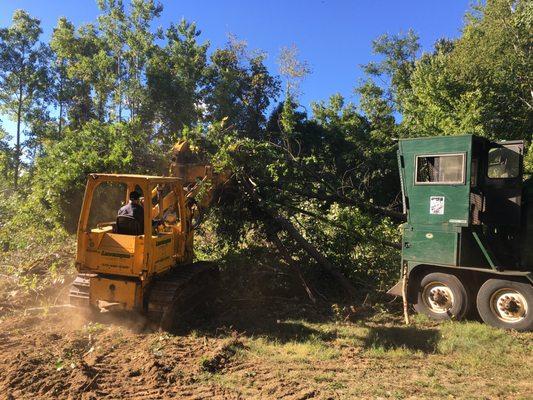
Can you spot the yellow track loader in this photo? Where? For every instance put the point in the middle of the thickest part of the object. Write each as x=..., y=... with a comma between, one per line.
x=149, y=269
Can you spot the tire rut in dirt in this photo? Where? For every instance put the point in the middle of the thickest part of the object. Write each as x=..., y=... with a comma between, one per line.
x=111, y=369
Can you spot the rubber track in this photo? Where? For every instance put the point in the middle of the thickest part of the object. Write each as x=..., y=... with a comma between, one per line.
x=174, y=295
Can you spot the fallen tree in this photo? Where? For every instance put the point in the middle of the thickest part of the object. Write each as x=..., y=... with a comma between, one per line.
x=271, y=186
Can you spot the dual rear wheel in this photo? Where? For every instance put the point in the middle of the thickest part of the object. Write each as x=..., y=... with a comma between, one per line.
x=501, y=303
x=506, y=304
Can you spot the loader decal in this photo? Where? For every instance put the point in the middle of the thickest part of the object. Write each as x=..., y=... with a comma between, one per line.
x=117, y=255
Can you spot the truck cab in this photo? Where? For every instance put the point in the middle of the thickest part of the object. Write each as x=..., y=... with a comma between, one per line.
x=468, y=240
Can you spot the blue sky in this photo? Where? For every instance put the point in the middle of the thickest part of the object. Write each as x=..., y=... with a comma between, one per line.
x=333, y=36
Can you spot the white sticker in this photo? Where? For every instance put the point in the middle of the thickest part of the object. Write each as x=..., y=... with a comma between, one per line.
x=458, y=221
x=436, y=205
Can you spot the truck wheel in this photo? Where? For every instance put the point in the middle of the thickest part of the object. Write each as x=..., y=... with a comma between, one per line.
x=506, y=304
x=442, y=296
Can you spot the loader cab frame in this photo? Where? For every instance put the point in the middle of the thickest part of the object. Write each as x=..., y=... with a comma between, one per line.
x=103, y=251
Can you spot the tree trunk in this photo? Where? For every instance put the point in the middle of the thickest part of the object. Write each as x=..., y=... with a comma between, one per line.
x=272, y=217
x=17, y=145
x=60, y=122
x=274, y=238
x=119, y=71
x=60, y=101
x=288, y=227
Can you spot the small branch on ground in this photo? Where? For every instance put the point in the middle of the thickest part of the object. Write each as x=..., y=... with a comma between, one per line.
x=36, y=310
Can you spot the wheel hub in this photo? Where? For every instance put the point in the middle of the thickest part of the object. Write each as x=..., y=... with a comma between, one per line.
x=509, y=305
x=438, y=297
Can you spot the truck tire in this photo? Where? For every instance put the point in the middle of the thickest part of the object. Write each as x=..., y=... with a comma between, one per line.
x=506, y=304
x=442, y=296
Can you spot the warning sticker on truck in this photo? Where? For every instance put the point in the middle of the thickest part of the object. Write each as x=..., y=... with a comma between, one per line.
x=436, y=205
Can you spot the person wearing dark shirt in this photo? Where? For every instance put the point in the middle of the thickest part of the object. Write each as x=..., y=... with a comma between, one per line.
x=133, y=209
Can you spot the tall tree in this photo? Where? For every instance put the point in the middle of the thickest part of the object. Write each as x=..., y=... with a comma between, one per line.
x=113, y=24
x=140, y=45
x=24, y=80
x=480, y=83
x=293, y=71
x=175, y=76
x=239, y=88
x=72, y=96
x=399, y=54
x=131, y=42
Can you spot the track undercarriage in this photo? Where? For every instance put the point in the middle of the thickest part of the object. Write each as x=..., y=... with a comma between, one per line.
x=169, y=298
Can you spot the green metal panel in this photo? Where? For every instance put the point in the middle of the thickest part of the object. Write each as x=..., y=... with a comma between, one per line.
x=435, y=211
x=430, y=244
x=454, y=197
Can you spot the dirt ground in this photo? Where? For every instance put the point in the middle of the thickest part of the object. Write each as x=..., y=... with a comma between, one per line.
x=257, y=343
x=66, y=355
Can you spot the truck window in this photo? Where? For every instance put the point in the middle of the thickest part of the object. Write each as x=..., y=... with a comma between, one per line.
x=503, y=163
x=440, y=169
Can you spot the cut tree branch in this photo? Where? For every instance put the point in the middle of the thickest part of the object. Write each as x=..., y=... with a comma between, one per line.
x=337, y=225
x=273, y=218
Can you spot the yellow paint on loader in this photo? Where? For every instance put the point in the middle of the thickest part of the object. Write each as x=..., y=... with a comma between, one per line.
x=120, y=270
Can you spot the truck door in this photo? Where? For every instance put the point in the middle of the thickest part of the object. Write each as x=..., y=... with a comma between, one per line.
x=439, y=189
x=503, y=184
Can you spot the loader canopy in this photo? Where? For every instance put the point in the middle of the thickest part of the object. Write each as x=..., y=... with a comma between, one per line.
x=105, y=247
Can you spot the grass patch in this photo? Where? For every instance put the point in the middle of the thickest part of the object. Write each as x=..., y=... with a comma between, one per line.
x=395, y=353
x=477, y=345
x=399, y=340
x=311, y=350
x=473, y=337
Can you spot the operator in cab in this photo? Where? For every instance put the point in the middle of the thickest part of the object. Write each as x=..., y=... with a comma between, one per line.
x=133, y=209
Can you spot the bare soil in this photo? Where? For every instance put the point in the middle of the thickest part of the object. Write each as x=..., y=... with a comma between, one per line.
x=67, y=355
x=257, y=343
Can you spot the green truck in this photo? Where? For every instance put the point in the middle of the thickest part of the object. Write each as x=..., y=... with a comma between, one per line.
x=468, y=240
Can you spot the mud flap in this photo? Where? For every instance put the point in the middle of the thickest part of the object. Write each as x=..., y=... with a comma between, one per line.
x=396, y=290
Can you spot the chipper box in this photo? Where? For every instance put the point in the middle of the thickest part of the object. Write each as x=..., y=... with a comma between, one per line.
x=468, y=240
